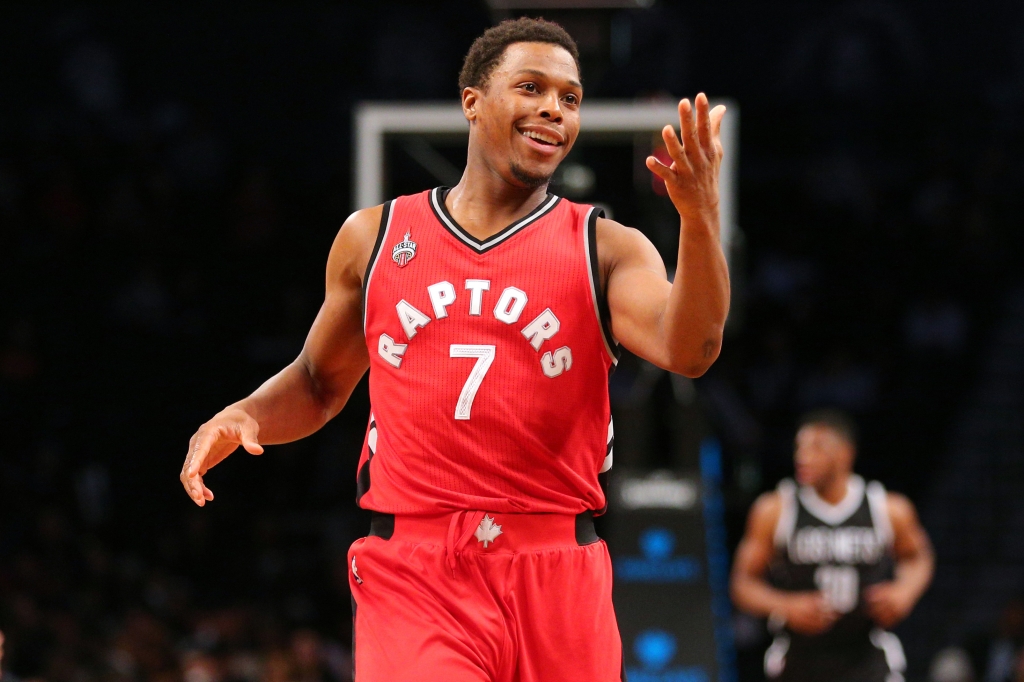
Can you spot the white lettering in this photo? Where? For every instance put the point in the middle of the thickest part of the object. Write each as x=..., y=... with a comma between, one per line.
x=484, y=357
x=391, y=351
x=411, y=318
x=442, y=295
x=840, y=585
x=848, y=545
x=510, y=305
x=541, y=329
x=556, y=363
x=477, y=287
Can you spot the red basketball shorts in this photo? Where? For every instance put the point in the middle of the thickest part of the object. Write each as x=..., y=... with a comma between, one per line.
x=475, y=597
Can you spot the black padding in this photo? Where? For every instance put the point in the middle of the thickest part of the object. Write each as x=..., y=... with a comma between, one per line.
x=382, y=525
x=586, y=534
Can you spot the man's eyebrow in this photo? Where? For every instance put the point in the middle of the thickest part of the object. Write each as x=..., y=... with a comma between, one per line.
x=541, y=74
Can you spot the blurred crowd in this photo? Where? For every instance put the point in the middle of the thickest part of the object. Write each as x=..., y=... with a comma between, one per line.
x=170, y=183
x=75, y=611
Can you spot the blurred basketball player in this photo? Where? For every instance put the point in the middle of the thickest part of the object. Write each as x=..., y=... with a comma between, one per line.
x=833, y=562
x=488, y=315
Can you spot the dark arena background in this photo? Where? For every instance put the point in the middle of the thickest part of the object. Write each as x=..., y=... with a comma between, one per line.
x=171, y=179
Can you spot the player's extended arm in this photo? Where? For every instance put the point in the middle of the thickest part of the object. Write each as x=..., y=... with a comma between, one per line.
x=306, y=394
x=890, y=602
x=802, y=611
x=675, y=326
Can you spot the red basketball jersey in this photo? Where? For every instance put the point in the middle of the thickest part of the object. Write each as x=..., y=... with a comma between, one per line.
x=489, y=363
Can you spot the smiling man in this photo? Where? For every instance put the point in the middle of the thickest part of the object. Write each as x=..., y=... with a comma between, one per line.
x=488, y=315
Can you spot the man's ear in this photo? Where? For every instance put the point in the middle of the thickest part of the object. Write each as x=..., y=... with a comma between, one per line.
x=470, y=100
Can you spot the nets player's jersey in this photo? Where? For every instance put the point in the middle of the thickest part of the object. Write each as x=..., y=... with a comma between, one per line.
x=489, y=363
x=838, y=550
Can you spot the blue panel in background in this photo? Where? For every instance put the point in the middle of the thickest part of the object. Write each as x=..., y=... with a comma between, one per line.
x=656, y=563
x=655, y=649
x=718, y=557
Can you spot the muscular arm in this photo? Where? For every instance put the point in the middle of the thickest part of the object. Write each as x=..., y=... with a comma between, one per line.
x=675, y=326
x=306, y=394
x=309, y=392
x=889, y=603
x=805, y=612
x=750, y=591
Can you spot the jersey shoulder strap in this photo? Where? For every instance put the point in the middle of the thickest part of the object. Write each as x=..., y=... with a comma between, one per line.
x=878, y=503
x=787, y=518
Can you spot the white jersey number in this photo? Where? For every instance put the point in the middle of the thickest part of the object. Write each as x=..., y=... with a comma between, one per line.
x=840, y=585
x=484, y=357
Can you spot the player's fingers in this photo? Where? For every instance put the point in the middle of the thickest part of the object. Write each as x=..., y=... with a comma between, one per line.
x=200, y=449
x=704, y=125
x=218, y=451
x=674, y=147
x=248, y=434
x=188, y=455
x=659, y=169
x=688, y=129
x=717, y=114
x=187, y=466
x=194, y=487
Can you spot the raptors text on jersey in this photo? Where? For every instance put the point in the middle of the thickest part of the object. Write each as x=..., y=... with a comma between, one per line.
x=489, y=363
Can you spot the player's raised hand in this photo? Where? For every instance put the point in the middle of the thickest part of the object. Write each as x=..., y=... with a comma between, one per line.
x=214, y=441
x=692, y=179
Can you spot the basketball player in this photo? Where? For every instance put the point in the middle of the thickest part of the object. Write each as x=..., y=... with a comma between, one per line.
x=488, y=315
x=833, y=562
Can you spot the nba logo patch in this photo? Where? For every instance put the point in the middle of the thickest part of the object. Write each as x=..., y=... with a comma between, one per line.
x=404, y=251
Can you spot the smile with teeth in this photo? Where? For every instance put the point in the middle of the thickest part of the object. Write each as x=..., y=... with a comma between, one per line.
x=541, y=137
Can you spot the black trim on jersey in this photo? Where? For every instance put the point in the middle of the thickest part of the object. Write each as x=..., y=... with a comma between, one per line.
x=602, y=480
x=385, y=214
x=363, y=476
x=382, y=525
x=586, y=534
x=363, y=480
x=437, y=205
x=595, y=275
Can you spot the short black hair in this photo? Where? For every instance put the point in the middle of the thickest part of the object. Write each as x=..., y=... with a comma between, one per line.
x=837, y=420
x=486, y=51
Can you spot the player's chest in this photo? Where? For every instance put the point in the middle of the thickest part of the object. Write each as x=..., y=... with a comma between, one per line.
x=853, y=544
x=531, y=303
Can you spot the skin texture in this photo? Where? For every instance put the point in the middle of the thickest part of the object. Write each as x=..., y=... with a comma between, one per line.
x=824, y=460
x=534, y=89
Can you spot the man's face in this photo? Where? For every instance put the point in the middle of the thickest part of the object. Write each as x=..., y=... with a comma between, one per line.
x=528, y=115
x=821, y=454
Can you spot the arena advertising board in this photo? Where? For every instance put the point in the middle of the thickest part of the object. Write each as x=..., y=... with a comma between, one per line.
x=668, y=545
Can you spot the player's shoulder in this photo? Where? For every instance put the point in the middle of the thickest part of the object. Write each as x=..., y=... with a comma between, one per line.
x=619, y=244
x=901, y=509
x=370, y=221
x=766, y=510
x=617, y=233
x=354, y=243
x=363, y=221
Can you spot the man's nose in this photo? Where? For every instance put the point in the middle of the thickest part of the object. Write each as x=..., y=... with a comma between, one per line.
x=550, y=109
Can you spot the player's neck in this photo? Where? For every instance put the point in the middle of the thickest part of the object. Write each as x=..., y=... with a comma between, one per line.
x=834, y=490
x=484, y=203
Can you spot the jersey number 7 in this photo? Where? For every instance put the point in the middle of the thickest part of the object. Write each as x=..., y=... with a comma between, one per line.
x=484, y=357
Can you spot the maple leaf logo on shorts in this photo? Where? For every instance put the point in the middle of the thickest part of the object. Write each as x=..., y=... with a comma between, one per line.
x=487, y=531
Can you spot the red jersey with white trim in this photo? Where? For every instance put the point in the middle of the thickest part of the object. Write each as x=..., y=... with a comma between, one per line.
x=489, y=363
